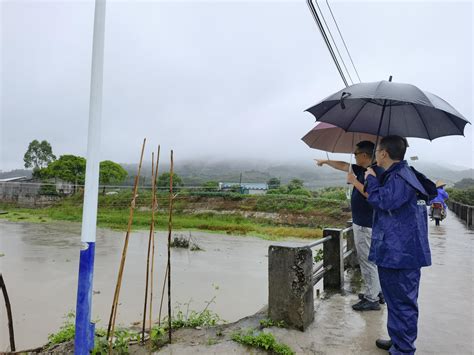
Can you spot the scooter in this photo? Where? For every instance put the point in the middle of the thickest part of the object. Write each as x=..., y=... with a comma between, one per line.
x=437, y=212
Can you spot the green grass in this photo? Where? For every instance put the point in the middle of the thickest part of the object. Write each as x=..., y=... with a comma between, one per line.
x=24, y=215
x=194, y=319
x=262, y=340
x=114, y=211
x=118, y=220
x=65, y=333
x=123, y=337
x=188, y=319
x=267, y=323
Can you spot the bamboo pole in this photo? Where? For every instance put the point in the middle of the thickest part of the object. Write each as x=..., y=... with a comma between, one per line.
x=147, y=273
x=155, y=207
x=170, y=225
x=9, y=313
x=162, y=294
x=113, y=312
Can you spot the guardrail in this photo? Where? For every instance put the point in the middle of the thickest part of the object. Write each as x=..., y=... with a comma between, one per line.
x=464, y=212
x=292, y=274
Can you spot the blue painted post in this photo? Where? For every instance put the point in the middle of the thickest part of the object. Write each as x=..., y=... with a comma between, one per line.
x=84, y=338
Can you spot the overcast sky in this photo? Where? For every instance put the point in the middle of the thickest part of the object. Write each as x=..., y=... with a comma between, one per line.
x=218, y=79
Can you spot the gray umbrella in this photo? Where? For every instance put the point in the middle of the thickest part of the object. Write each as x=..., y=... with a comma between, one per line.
x=385, y=108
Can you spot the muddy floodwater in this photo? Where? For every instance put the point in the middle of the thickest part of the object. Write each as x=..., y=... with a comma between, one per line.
x=40, y=265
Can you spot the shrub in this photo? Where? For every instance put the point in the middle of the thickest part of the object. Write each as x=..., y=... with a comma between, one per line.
x=465, y=196
x=300, y=192
x=48, y=190
x=333, y=193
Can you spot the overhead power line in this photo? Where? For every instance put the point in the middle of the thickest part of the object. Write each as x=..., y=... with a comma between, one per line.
x=333, y=41
x=326, y=40
x=345, y=46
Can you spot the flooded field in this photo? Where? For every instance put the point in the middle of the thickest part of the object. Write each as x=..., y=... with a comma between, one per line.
x=40, y=269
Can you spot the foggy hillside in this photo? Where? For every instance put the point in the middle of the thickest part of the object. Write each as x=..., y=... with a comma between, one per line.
x=197, y=172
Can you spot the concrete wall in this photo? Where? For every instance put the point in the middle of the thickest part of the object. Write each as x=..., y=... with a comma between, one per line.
x=25, y=194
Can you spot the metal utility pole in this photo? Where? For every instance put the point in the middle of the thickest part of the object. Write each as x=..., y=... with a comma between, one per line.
x=84, y=338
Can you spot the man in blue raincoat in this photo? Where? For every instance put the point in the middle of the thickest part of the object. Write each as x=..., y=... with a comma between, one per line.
x=399, y=241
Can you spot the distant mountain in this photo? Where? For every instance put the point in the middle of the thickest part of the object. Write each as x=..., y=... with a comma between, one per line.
x=195, y=173
x=445, y=173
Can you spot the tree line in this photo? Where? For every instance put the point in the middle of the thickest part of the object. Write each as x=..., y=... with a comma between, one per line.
x=69, y=168
x=72, y=169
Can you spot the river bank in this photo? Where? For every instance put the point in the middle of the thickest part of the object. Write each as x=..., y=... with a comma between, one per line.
x=271, y=217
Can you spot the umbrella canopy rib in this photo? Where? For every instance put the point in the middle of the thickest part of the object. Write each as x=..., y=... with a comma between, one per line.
x=315, y=139
x=426, y=96
x=335, y=103
x=377, y=88
x=389, y=118
x=357, y=114
x=335, y=141
x=450, y=116
x=422, y=121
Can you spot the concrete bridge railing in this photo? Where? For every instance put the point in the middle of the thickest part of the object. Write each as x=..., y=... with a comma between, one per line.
x=464, y=212
x=292, y=274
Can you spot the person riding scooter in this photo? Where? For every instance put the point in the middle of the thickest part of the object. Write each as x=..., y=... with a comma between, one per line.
x=438, y=203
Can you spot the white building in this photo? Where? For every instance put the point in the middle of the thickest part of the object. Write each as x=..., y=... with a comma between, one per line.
x=248, y=188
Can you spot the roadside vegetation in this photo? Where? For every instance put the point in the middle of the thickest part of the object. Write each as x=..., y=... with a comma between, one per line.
x=128, y=340
x=262, y=340
x=465, y=196
x=462, y=192
x=65, y=333
x=268, y=323
x=126, y=337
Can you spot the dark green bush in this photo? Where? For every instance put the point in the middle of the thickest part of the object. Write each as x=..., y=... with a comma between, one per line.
x=464, y=196
x=48, y=190
x=333, y=193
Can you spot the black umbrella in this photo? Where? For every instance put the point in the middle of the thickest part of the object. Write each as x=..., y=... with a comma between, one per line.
x=385, y=108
